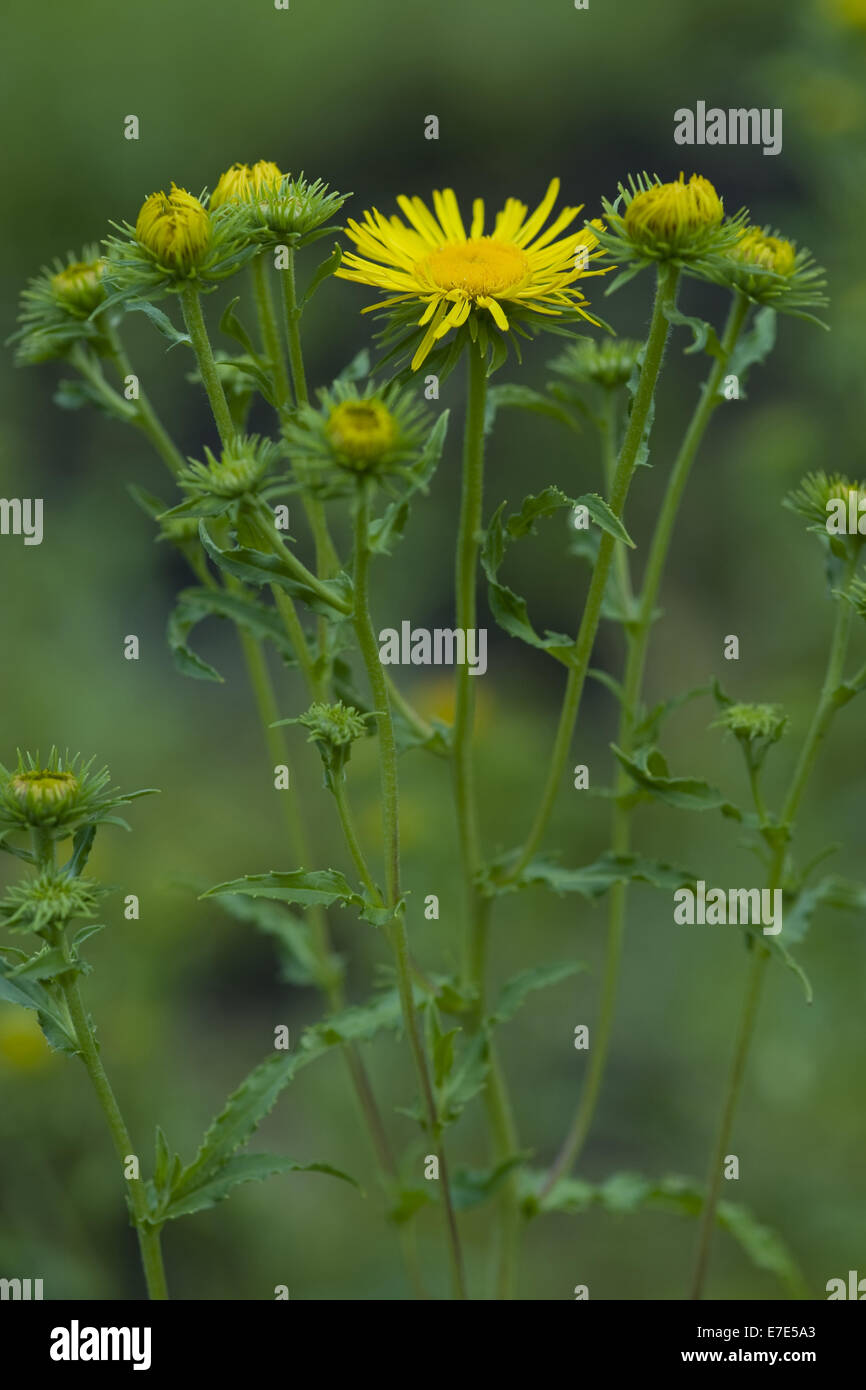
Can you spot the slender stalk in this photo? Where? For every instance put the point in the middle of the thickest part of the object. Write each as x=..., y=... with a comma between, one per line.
x=497, y=1104
x=146, y=419
x=391, y=838
x=665, y=299
x=271, y=335
x=293, y=329
x=637, y=640
x=197, y=329
x=827, y=706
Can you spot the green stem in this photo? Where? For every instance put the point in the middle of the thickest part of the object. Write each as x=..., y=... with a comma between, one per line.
x=827, y=706
x=197, y=329
x=391, y=838
x=147, y=419
x=665, y=301
x=637, y=642
x=148, y=1235
x=293, y=328
x=347, y=822
x=271, y=335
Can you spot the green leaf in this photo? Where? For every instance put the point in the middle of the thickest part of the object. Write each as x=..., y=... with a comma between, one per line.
x=385, y=530
x=515, y=991
x=471, y=1187
x=629, y=1192
x=468, y=1076
x=231, y=325
x=238, y=1120
x=45, y=965
x=26, y=854
x=593, y=880
x=159, y=320
x=194, y=605
x=604, y=517
x=524, y=398
x=29, y=994
x=357, y=1023
x=82, y=844
x=648, y=729
x=255, y=567
x=649, y=770
x=323, y=271
x=704, y=337
x=753, y=347
x=242, y=1168
x=323, y=887
x=835, y=892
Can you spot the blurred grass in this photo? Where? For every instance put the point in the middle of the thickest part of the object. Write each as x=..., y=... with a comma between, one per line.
x=186, y=1000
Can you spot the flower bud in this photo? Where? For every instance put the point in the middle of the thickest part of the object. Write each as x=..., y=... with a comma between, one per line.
x=174, y=227
x=766, y=252
x=79, y=287
x=42, y=794
x=242, y=182
x=361, y=432
x=674, y=214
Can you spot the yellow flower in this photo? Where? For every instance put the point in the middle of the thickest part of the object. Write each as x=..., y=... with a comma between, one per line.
x=674, y=213
x=174, y=227
x=79, y=286
x=452, y=274
x=242, y=182
x=362, y=431
x=768, y=252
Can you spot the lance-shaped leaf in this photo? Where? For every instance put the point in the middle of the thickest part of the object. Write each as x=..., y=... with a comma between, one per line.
x=357, y=1023
x=316, y=887
x=753, y=347
x=525, y=398
x=194, y=605
x=592, y=880
x=239, y=1169
x=625, y=1193
x=649, y=769
x=835, y=892
x=30, y=994
x=330, y=597
x=514, y=993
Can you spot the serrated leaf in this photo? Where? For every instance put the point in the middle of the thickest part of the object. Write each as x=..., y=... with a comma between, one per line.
x=835, y=892
x=255, y=567
x=649, y=770
x=324, y=887
x=648, y=728
x=195, y=605
x=593, y=880
x=238, y=1120
x=357, y=1023
x=514, y=993
x=240, y=1169
x=468, y=1076
x=629, y=1192
x=604, y=518
x=45, y=965
x=30, y=994
x=471, y=1187
x=82, y=844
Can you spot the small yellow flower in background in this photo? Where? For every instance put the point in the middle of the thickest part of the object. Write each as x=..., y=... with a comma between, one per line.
x=515, y=270
x=769, y=252
x=244, y=181
x=22, y=1046
x=849, y=13
x=674, y=212
x=174, y=227
x=362, y=431
x=79, y=286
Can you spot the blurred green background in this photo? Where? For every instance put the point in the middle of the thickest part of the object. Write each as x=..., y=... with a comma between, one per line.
x=186, y=999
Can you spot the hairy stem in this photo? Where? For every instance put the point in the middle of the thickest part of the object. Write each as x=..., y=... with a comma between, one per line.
x=271, y=335
x=828, y=704
x=665, y=300
x=637, y=639
x=391, y=839
x=197, y=330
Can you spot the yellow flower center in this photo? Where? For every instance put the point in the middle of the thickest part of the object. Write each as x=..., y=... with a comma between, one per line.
x=674, y=212
x=241, y=182
x=361, y=430
x=80, y=285
x=175, y=228
x=45, y=790
x=768, y=252
x=479, y=267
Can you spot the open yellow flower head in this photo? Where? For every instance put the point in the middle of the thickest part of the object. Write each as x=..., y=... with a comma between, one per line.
x=674, y=213
x=79, y=286
x=769, y=252
x=243, y=181
x=361, y=431
x=174, y=227
x=441, y=274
